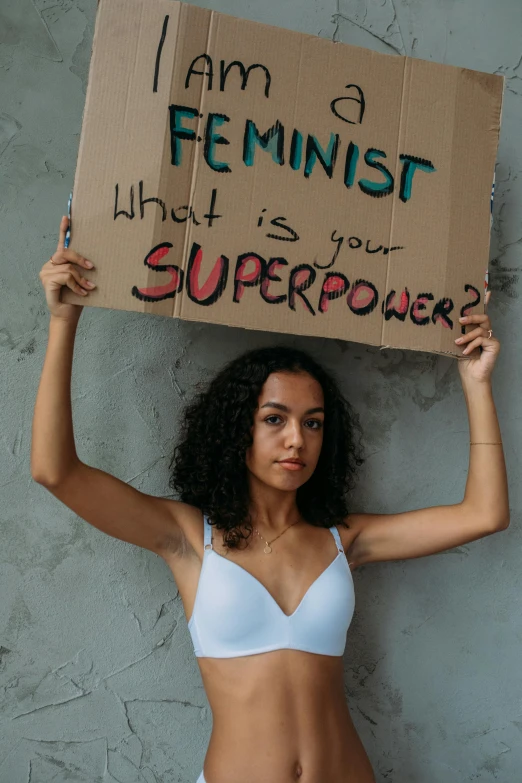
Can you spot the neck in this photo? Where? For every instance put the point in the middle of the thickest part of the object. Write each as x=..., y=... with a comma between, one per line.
x=272, y=510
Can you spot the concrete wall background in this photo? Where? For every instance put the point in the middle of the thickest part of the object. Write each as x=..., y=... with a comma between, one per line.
x=97, y=677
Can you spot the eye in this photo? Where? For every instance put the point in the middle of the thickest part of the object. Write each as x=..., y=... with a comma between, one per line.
x=314, y=424
x=273, y=419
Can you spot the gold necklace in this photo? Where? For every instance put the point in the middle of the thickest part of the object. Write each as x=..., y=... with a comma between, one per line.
x=268, y=549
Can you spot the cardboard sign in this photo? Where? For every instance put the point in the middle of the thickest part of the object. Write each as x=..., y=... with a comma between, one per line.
x=240, y=174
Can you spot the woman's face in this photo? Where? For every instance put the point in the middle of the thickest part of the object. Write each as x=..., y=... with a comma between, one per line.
x=287, y=430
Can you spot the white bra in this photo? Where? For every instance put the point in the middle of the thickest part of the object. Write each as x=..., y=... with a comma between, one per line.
x=235, y=615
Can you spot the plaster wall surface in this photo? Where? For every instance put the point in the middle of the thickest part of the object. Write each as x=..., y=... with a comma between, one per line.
x=97, y=677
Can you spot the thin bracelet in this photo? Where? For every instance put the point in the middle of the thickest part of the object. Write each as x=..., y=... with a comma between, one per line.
x=485, y=443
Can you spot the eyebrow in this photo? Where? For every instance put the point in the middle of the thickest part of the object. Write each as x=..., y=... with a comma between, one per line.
x=284, y=408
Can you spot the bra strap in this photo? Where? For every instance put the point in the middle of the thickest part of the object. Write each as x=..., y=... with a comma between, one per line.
x=335, y=533
x=207, y=534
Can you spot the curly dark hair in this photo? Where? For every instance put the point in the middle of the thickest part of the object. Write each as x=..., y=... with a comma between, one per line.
x=208, y=466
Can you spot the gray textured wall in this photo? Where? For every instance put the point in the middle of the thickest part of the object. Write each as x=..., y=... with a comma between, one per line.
x=97, y=677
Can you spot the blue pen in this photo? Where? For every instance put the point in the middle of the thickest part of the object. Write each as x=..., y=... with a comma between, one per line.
x=68, y=232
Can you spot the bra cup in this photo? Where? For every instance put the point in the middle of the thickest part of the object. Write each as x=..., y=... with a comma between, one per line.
x=323, y=618
x=235, y=615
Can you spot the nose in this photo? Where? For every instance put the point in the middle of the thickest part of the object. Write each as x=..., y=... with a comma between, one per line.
x=293, y=435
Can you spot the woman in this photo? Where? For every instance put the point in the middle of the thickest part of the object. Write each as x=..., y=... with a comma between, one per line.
x=266, y=457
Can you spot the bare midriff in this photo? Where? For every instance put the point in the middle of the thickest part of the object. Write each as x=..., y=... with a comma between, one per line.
x=281, y=717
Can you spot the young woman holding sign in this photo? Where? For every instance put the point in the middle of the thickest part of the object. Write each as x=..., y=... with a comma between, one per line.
x=262, y=546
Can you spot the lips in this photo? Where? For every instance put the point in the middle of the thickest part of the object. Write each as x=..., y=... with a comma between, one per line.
x=292, y=464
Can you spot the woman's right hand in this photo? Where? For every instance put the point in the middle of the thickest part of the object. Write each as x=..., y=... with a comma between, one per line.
x=63, y=271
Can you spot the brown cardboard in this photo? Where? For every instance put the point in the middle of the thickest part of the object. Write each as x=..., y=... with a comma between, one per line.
x=290, y=243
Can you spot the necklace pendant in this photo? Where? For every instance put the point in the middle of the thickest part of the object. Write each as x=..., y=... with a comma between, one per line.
x=267, y=549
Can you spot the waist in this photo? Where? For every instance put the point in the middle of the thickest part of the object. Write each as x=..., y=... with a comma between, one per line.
x=316, y=748
x=283, y=717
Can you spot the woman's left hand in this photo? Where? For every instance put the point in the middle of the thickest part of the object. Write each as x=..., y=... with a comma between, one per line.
x=481, y=351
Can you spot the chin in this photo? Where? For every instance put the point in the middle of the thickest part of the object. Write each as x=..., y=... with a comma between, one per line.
x=289, y=483
x=283, y=481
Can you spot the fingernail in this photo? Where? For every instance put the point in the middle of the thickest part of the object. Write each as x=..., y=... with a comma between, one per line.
x=91, y=285
x=89, y=264
x=458, y=340
x=463, y=318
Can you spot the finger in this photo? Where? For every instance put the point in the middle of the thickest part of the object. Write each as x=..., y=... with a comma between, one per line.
x=72, y=278
x=71, y=255
x=75, y=285
x=68, y=256
x=475, y=344
x=469, y=336
x=478, y=318
x=487, y=343
x=82, y=281
x=64, y=224
x=59, y=258
x=65, y=280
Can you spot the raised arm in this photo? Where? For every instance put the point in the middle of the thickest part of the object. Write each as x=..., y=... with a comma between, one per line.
x=102, y=500
x=485, y=506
